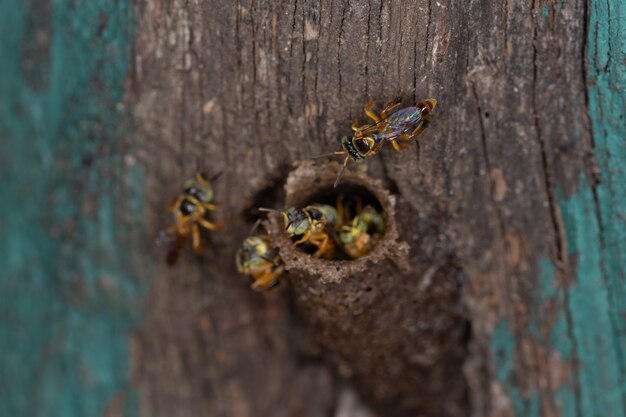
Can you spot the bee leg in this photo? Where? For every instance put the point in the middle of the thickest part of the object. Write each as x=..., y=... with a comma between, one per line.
x=209, y=206
x=369, y=112
x=341, y=210
x=359, y=204
x=397, y=146
x=265, y=281
x=306, y=236
x=172, y=229
x=195, y=235
x=355, y=125
x=418, y=130
x=210, y=226
x=389, y=107
x=322, y=243
x=172, y=204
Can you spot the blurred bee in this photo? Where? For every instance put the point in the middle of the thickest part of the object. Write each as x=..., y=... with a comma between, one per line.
x=190, y=210
x=314, y=225
x=391, y=126
x=257, y=259
x=359, y=236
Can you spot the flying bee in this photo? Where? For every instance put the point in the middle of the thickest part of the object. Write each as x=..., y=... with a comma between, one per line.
x=313, y=225
x=190, y=210
x=257, y=259
x=393, y=125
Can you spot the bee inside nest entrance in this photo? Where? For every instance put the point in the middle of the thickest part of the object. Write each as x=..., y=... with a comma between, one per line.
x=353, y=220
x=311, y=184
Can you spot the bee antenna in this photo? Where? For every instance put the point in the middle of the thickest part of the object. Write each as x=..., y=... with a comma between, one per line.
x=324, y=155
x=254, y=227
x=216, y=176
x=343, y=168
x=269, y=210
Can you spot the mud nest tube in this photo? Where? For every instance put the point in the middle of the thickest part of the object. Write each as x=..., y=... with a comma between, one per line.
x=313, y=182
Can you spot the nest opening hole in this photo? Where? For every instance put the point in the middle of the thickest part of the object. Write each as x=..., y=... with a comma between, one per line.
x=353, y=238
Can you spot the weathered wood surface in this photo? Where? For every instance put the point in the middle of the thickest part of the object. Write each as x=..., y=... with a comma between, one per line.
x=522, y=172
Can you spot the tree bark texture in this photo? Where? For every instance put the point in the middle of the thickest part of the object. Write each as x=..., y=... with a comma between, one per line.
x=511, y=202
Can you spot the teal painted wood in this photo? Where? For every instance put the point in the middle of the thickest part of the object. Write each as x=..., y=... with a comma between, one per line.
x=70, y=290
x=606, y=74
x=588, y=331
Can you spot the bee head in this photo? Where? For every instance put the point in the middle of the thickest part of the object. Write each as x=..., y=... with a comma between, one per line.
x=200, y=186
x=187, y=207
x=352, y=149
x=349, y=148
x=363, y=144
x=296, y=221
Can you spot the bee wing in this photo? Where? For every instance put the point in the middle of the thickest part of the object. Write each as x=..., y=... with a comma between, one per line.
x=332, y=233
x=173, y=252
x=369, y=130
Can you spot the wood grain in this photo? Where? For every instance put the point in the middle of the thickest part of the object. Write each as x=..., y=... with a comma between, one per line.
x=516, y=189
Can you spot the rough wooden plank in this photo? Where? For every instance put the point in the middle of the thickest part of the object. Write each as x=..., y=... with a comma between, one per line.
x=502, y=172
x=506, y=178
x=70, y=291
x=571, y=346
x=266, y=83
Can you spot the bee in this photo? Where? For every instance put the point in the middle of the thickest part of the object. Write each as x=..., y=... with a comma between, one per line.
x=359, y=236
x=257, y=259
x=314, y=225
x=190, y=210
x=393, y=125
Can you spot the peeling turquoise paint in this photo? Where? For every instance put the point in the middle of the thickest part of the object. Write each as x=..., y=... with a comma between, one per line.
x=588, y=303
x=70, y=292
x=548, y=292
x=606, y=73
x=503, y=350
x=545, y=13
x=504, y=347
x=595, y=338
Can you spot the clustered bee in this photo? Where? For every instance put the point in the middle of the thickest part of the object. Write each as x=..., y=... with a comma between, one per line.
x=312, y=226
x=337, y=233
x=260, y=261
x=358, y=234
x=344, y=231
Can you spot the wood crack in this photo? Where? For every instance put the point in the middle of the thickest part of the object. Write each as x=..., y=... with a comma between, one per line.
x=563, y=267
x=316, y=82
x=428, y=17
x=483, y=142
x=255, y=81
x=367, y=46
x=558, y=229
x=341, y=41
x=293, y=29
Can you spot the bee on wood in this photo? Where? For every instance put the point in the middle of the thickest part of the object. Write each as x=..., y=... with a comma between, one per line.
x=359, y=236
x=312, y=225
x=190, y=210
x=396, y=126
x=260, y=261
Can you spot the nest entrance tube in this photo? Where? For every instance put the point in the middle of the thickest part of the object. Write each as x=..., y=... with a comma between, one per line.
x=397, y=332
x=311, y=183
